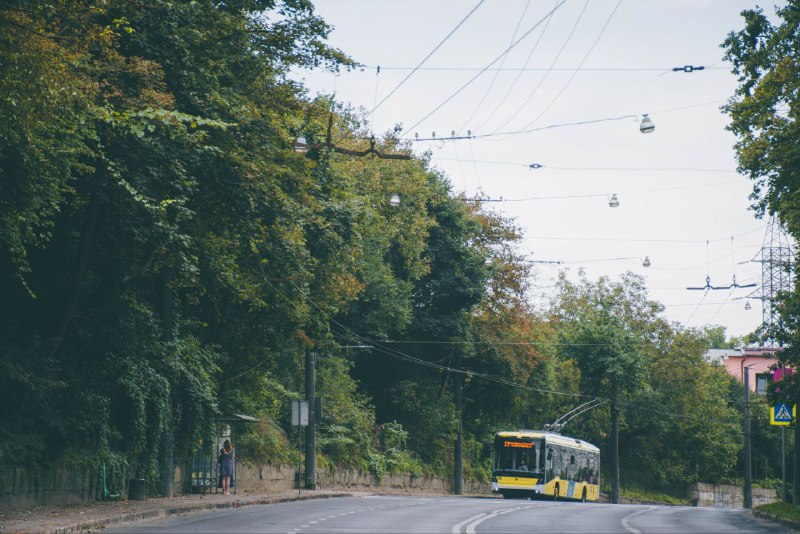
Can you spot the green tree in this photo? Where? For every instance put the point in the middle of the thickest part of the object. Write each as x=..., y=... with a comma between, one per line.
x=602, y=332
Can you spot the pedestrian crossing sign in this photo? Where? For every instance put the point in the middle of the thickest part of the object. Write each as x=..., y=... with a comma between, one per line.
x=782, y=414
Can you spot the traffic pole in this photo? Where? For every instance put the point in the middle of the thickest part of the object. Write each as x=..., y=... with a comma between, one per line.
x=458, y=471
x=311, y=431
x=748, y=482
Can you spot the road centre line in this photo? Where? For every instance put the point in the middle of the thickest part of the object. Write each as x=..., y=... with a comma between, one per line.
x=628, y=526
x=296, y=530
x=476, y=520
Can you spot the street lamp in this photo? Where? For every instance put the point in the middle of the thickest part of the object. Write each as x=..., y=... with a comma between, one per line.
x=747, y=306
x=301, y=146
x=647, y=125
x=646, y=262
x=394, y=201
x=614, y=201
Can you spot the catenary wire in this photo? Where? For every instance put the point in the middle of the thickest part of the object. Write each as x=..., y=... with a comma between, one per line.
x=428, y=56
x=497, y=72
x=397, y=354
x=449, y=98
x=575, y=73
x=519, y=75
x=549, y=71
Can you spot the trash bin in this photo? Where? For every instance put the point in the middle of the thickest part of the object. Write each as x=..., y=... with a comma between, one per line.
x=136, y=489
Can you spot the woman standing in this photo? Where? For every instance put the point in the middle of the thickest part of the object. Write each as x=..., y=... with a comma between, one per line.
x=227, y=457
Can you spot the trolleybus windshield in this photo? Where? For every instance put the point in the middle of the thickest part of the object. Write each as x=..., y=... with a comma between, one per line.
x=517, y=454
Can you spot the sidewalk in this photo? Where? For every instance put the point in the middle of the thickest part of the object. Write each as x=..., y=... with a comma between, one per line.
x=100, y=514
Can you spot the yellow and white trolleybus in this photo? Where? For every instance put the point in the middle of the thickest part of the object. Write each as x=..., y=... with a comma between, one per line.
x=531, y=463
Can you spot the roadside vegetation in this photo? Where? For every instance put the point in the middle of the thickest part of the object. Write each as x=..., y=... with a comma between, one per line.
x=783, y=512
x=166, y=256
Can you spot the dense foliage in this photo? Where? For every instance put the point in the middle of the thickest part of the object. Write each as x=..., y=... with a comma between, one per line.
x=166, y=257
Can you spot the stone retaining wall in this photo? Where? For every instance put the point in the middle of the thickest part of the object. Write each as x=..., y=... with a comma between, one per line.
x=281, y=478
x=726, y=496
x=20, y=487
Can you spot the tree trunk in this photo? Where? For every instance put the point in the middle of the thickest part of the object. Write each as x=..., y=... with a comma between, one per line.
x=81, y=268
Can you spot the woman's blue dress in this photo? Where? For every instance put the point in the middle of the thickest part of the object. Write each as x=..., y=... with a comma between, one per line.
x=226, y=463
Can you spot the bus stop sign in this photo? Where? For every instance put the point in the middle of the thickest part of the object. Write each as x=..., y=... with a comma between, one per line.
x=781, y=414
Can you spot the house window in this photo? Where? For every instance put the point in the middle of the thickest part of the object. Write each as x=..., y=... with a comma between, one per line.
x=762, y=380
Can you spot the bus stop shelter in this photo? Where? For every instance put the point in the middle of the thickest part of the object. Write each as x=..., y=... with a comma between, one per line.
x=205, y=467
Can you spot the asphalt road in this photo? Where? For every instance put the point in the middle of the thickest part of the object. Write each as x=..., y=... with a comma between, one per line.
x=456, y=515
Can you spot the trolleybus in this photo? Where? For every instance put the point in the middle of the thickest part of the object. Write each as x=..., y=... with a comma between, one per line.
x=532, y=463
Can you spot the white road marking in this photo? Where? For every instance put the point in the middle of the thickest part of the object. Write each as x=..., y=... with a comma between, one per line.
x=476, y=520
x=628, y=526
x=457, y=527
x=471, y=526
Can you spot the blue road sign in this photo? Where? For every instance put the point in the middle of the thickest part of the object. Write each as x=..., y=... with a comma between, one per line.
x=782, y=414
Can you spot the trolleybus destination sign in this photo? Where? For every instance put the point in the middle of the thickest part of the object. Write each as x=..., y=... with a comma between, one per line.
x=518, y=444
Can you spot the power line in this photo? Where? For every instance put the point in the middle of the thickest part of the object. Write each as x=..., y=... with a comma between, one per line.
x=561, y=125
x=497, y=72
x=547, y=73
x=519, y=75
x=575, y=73
x=561, y=197
x=539, y=69
x=411, y=359
x=595, y=169
x=448, y=99
x=428, y=56
x=517, y=132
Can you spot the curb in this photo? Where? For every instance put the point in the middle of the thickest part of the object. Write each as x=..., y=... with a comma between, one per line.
x=769, y=517
x=84, y=526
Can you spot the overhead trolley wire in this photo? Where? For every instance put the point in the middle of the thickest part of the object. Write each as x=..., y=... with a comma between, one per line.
x=562, y=125
x=519, y=75
x=495, y=60
x=415, y=69
x=497, y=72
x=547, y=73
x=411, y=359
x=538, y=69
x=575, y=73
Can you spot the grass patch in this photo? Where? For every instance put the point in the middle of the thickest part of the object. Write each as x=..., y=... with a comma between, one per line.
x=652, y=496
x=635, y=493
x=782, y=511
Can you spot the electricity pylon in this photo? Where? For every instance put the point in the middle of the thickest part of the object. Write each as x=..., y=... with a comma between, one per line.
x=776, y=258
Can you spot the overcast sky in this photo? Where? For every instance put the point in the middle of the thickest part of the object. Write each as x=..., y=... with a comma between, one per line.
x=682, y=204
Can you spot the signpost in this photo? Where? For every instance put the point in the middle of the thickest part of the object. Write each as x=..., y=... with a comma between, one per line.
x=299, y=419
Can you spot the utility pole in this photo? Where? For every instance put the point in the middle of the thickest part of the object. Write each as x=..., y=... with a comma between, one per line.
x=311, y=432
x=458, y=453
x=614, y=452
x=783, y=464
x=748, y=482
x=796, y=465
x=783, y=451
x=167, y=320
